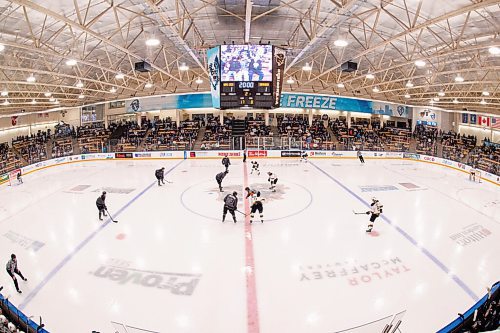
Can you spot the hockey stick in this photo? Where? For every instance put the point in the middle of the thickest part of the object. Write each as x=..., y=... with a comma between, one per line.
x=356, y=213
x=241, y=212
x=111, y=217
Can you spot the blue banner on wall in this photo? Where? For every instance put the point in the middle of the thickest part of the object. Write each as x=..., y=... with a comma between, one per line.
x=169, y=102
x=473, y=119
x=465, y=118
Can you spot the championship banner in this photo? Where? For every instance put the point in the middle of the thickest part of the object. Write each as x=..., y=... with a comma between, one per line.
x=465, y=118
x=13, y=120
x=279, y=58
x=473, y=119
x=213, y=58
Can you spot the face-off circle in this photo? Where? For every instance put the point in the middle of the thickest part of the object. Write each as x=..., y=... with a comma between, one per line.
x=289, y=199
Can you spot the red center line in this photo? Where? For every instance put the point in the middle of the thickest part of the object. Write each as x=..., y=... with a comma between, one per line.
x=252, y=307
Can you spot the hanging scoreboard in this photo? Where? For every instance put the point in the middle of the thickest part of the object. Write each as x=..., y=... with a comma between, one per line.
x=250, y=76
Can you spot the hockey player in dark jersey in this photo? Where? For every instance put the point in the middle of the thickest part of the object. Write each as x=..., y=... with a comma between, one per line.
x=230, y=204
x=303, y=156
x=375, y=212
x=257, y=206
x=226, y=162
x=219, y=177
x=101, y=205
x=12, y=269
x=160, y=174
x=360, y=156
x=255, y=167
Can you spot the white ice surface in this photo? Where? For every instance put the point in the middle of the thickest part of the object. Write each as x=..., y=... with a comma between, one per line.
x=316, y=269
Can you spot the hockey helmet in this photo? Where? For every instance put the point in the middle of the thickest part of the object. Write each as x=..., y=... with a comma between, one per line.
x=104, y=192
x=235, y=193
x=374, y=199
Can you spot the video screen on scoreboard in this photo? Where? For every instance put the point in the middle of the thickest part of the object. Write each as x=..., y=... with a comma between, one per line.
x=246, y=63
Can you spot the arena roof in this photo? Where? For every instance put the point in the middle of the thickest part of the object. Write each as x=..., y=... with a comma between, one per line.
x=106, y=37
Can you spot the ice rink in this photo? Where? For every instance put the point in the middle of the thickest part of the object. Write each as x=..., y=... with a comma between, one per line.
x=170, y=265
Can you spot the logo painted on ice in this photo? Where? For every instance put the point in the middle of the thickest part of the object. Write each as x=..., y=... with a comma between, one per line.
x=177, y=283
x=23, y=241
x=353, y=273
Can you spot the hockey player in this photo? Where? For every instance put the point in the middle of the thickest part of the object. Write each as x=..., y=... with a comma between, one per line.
x=101, y=205
x=12, y=269
x=226, y=162
x=19, y=178
x=303, y=156
x=160, y=174
x=255, y=167
x=273, y=179
x=230, y=204
x=257, y=206
x=219, y=177
x=375, y=212
x=361, y=159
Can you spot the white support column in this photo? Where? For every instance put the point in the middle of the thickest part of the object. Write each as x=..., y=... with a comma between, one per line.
x=178, y=117
x=221, y=117
x=310, y=116
x=348, y=120
x=266, y=118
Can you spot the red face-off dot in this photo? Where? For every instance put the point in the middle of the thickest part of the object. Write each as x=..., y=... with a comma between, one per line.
x=121, y=236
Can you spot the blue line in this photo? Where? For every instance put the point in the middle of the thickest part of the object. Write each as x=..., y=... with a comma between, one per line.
x=427, y=253
x=70, y=256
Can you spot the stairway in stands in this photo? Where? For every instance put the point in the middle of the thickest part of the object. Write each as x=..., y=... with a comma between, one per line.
x=238, y=130
x=199, y=138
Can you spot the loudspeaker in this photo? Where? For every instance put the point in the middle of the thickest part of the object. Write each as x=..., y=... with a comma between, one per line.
x=349, y=66
x=142, y=66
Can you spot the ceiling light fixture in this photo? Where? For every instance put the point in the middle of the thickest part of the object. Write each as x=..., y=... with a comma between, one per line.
x=33, y=101
x=152, y=42
x=120, y=76
x=112, y=90
x=79, y=84
x=340, y=43
x=31, y=78
x=409, y=84
x=199, y=80
x=370, y=76
x=458, y=78
x=436, y=99
x=483, y=102
x=6, y=102
x=52, y=99
x=81, y=96
x=2, y=47
x=5, y=93
x=486, y=93
x=183, y=67
x=307, y=67
x=148, y=85
x=407, y=96
x=495, y=50
x=376, y=89
x=56, y=102
x=441, y=93
x=455, y=101
x=420, y=63
x=71, y=62
x=290, y=80
x=47, y=94
x=340, y=85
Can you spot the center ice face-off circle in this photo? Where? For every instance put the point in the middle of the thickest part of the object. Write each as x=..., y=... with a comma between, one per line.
x=204, y=199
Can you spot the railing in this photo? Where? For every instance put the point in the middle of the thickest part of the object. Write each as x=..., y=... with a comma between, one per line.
x=22, y=322
x=389, y=324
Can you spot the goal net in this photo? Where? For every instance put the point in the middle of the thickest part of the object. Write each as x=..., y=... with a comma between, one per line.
x=13, y=177
x=475, y=175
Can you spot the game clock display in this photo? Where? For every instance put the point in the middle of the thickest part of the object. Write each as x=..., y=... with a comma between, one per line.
x=246, y=94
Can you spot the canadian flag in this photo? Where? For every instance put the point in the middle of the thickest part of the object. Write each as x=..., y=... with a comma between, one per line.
x=484, y=121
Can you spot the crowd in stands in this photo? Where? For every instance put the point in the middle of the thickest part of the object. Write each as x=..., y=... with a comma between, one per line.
x=8, y=160
x=33, y=148
x=455, y=146
x=166, y=135
x=257, y=128
x=217, y=135
x=486, y=157
x=92, y=138
x=426, y=138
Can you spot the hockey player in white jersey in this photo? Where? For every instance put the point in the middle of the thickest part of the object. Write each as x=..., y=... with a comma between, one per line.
x=256, y=201
x=375, y=212
x=255, y=167
x=272, y=179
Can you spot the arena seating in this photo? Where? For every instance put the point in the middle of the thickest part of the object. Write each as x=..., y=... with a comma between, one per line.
x=217, y=136
x=8, y=160
x=92, y=138
x=165, y=135
x=32, y=148
x=426, y=137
